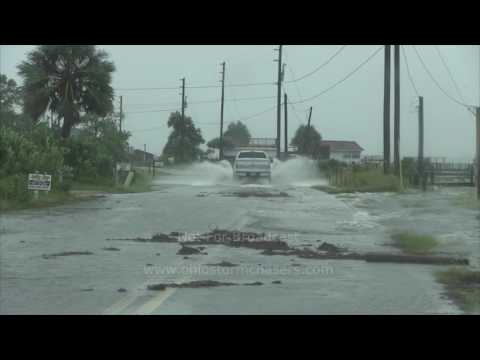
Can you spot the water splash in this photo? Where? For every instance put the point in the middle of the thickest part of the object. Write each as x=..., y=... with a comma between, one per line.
x=199, y=174
x=301, y=172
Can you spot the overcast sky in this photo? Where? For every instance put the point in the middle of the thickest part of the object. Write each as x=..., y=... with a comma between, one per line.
x=351, y=111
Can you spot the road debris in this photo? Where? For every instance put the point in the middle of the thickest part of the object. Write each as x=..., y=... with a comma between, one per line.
x=415, y=259
x=186, y=250
x=199, y=284
x=276, y=247
x=330, y=248
x=255, y=193
x=276, y=282
x=67, y=253
x=157, y=238
x=111, y=249
x=191, y=284
x=238, y=239
x=223, y=264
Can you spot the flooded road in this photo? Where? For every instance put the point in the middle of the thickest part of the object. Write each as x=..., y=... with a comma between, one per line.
x=204, y=197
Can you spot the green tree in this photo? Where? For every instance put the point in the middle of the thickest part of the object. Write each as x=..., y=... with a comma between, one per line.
x=184, y=141
x=98, y=147
x=237, y=134
x=68, y=80
x=307, y=140
x=10, y=97
x=9, y=94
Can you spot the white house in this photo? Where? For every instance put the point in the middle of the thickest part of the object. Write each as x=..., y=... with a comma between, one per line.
x=346, y=151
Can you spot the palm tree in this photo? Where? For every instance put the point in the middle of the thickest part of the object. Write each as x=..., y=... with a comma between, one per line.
x=68, y=80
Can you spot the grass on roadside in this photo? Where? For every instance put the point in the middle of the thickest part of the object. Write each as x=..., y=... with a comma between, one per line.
x=463, y=287
x=141, y=183
x=414, y=243
x=372, y=180
x=54, y=198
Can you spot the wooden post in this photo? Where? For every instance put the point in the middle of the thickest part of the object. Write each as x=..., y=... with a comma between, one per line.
x=279, y=100
x=477, y=161
x=420, y=141
x=35, y=192
x=221, y=111
x=286, y=125
x=121, y=113
x=396, y=114
x=386, y=111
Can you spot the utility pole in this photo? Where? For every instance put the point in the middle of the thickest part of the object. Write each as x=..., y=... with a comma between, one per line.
x=183, y=118
x=478, y=154
x=183, y=99
x=396, y=130
x=286, y=125
x=221, y=111
x=386, y=111
x=308, y=128
x=420, y=143
x=121, y=112
x=145, y=152
x=279, y=95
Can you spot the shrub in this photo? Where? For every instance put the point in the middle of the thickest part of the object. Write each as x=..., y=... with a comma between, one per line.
x=14, y=187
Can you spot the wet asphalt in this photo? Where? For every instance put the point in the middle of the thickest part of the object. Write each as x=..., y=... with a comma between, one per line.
x=200, y=199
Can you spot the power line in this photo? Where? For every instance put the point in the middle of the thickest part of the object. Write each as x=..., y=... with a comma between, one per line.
x=151, y=111
x=320, y=66
x=257, y=114
x=207, y=101
x=295, y=112
x=296, y=85
x=235, y=103
x=195, y=87
x=436, y=82
x=163, y=127
x=343, y=79
x=449, y=73
x=408, y=71
x=292, y=106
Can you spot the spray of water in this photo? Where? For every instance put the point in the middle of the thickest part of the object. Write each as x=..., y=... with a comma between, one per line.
x=299, y=171
x=200, y=174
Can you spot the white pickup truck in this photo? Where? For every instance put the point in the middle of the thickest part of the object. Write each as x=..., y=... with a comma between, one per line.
x=253, y=164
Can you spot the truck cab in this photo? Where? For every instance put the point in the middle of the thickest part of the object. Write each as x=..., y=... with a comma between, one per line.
x=252, y=164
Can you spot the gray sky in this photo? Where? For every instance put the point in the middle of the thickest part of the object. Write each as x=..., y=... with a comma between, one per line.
x=351, y=111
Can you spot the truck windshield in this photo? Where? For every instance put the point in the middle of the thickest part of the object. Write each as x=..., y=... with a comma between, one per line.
x=253, y=154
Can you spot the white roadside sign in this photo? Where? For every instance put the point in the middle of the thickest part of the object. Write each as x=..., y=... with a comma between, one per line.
x=39, y=182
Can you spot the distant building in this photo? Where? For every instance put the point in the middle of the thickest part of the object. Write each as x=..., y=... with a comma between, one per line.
x=345, y=151
x=260, y=144
x=140, y=156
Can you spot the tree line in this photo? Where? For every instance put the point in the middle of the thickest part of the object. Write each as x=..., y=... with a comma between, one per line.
x=71, y=86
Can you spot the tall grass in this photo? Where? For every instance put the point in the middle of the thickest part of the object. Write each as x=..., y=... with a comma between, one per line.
x=363, y=180
x=463, y=287
x=414, y=243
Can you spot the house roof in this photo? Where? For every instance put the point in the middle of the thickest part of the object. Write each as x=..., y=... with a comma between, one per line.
x=337, y=145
